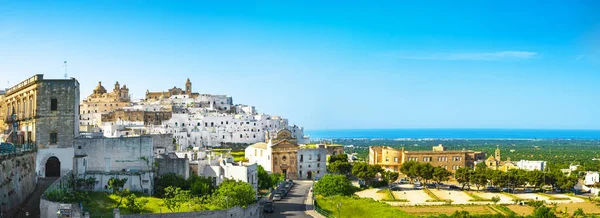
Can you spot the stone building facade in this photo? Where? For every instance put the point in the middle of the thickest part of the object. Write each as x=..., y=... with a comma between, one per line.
x=101, y=102
x=391, y=159
x=283, y=154
x=45, y=113
x=155, y=96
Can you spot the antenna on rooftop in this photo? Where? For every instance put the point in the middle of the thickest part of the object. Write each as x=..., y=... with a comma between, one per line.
x=65, y=64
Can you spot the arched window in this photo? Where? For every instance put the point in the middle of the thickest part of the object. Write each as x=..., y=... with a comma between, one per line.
x=175, y=123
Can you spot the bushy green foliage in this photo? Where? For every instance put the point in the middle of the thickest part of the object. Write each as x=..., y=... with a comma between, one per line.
x=332, y=184
x=116, y=185
x=264, y=180
x=174, y=197
x=135, y=205
x=196, y=184
x=233, y=193
x=543, y=212
x=365, y=171
x=340, y=167
x=389, y=176
x=339, y=157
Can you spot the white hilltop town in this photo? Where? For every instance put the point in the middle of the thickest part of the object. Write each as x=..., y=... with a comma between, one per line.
x=195, y=120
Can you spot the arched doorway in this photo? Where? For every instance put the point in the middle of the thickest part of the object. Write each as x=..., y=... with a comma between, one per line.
x=53, y=167
x=309, y=175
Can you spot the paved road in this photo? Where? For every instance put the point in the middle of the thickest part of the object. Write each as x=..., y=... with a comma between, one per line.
x=293, y=204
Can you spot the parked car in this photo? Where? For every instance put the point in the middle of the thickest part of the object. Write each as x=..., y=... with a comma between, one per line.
x=283, y=192
x=395, y=188
x=528, y=191
x=288, y=186
x=507, y=190
x=453, y=187
x=431, y=186
x=268, y=208
x=291, y=182
x=277, y=197
x=404, y=181
x=418, y=186
x=492, y=189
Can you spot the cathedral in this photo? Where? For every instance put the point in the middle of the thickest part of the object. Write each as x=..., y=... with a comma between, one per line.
x=154, y=96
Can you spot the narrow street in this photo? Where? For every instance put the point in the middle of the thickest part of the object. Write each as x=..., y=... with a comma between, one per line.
x=31, y=207
x=293, y=204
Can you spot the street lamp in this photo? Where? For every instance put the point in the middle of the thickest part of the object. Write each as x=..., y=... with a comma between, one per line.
x=339, y=207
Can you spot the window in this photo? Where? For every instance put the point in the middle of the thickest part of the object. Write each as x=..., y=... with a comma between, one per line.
x=318, y=165
x=53, y=138
x=387, y=159
x=300, y=172
x=396, y=159
x=53, y=104
x=301, y=158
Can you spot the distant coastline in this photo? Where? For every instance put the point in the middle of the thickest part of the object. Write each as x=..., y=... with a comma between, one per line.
x=507, y=134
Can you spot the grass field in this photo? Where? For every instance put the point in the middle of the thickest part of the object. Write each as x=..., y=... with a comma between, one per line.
x=447, y=210
x=238, y=155
x=102, y=204
x=587, y=207
x=359, y=207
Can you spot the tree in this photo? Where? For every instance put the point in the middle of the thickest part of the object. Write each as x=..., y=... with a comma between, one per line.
x=479, y=178
x=536, y=178
x=233, y=193
x=116, y=185
x=339, y=157
x=174, y=197
x=264, y=180
x=424, y=172
x=390, y=176
x=332, y=184
x=276, y=178
x=134, y=205
x=201, y=185
x=407, y=169
x=365, y=171
x=543, y=212
x=170, y=179
x=440, y=175
x=463, y=176
x=340, y=167
x=579, y=213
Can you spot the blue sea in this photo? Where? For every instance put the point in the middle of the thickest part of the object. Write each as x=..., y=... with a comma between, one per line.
x=452, y=134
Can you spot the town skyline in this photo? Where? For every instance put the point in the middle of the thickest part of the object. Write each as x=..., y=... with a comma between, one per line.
x=515, y=68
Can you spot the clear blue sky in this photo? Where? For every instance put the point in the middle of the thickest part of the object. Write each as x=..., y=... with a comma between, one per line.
x=336, y=65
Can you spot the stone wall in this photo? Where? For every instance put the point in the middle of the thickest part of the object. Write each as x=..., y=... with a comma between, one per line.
x=17, y=180
x=163, y=141
x=251, y=211
x=179, y=166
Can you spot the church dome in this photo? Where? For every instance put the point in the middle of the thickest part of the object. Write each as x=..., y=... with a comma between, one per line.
x=99, y=89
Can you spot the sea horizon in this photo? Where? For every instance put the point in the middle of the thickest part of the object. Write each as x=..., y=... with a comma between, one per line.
x=453, y=133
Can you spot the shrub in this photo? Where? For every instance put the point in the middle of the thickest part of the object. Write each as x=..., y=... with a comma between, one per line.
x=332, y=184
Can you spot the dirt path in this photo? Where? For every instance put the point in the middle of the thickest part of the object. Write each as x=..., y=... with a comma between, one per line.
x=31, y=207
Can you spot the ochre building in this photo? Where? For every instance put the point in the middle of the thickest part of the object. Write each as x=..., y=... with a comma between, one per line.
x=155, y=96
x=391, y=159
x=101, y=101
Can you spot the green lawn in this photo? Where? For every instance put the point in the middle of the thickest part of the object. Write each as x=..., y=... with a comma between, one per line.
x=353, y=207
x=102, y=204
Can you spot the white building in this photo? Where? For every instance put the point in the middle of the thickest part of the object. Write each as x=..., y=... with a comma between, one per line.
x=312, y=162
x=591, y=178
x=221, y=167
x=531, y=165
x=105, y=158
